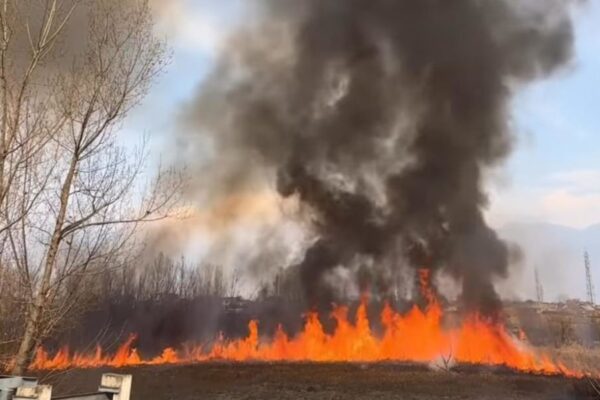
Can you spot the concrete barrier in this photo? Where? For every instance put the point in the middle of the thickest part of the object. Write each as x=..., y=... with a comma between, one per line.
x=39, y=392
x=112, y=387
x=9, y=385
x=119, y=385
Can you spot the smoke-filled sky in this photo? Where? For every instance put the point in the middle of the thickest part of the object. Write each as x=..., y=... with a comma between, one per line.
x=552, y=176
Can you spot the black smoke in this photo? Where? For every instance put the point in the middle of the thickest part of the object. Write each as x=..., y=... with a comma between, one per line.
x=382, y=117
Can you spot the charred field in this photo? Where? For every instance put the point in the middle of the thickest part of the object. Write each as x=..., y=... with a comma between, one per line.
x=327, y=381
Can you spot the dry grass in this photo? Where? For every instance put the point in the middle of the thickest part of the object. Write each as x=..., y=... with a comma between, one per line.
x=576, y=357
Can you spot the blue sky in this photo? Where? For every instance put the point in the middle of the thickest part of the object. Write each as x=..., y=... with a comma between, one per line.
x=553, y=175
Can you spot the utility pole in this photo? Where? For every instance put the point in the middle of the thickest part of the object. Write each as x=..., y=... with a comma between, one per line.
x=588, y=279
x=539, y=289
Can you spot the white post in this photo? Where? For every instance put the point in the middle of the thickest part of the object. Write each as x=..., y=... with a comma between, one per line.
x=39, y=392
x=119, y=385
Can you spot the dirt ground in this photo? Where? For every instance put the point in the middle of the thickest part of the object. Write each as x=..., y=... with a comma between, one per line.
x=326, y=381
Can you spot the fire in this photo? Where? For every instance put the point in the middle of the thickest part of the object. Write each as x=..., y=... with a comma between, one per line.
x=417, y=336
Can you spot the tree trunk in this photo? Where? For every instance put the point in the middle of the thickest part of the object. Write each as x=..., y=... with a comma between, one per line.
x=36, y=309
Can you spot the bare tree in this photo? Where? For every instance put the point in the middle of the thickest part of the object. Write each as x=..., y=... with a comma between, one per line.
x=28, y=35
x=27, y=124
x=80, y=198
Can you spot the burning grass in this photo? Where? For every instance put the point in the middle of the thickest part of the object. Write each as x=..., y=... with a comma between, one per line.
x=417, y=336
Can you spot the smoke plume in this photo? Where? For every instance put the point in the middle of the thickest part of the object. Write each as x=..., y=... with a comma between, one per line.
x=382, y=117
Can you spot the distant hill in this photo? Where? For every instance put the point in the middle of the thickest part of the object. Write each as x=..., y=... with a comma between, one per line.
x=557, y=252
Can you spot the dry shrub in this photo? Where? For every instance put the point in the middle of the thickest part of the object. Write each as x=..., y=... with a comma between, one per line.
x=577, y=357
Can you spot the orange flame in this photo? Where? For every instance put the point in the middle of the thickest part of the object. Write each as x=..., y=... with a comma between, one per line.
x=417, y=336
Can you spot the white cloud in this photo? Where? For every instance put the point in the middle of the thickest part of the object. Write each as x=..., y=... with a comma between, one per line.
x=583, y=181
x=570, y=198
x=574, y=198
x=189, y=27
x=571, y=208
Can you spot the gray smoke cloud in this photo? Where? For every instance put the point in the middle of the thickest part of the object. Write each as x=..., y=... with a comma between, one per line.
x=382, y=117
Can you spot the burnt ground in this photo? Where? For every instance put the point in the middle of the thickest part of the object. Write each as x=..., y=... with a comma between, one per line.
x=326, y=381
